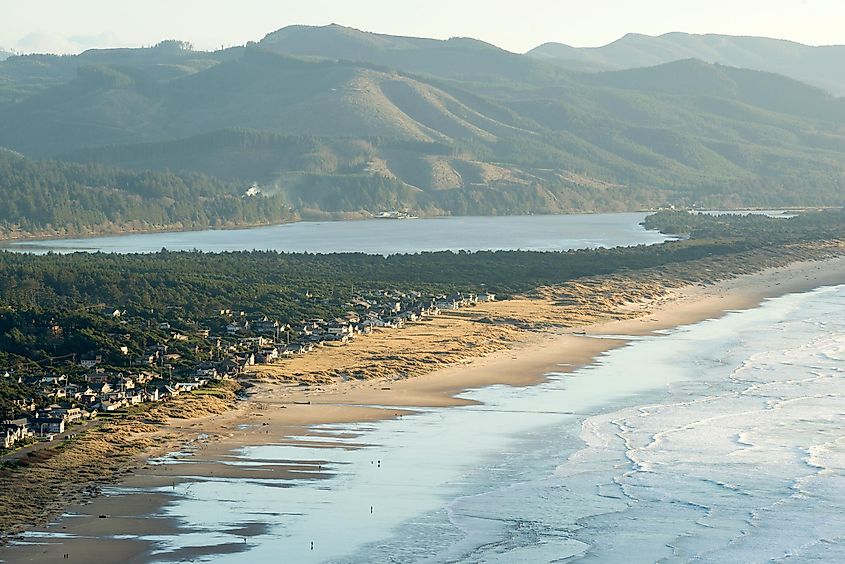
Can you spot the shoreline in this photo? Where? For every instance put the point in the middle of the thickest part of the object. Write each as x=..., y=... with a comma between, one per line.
x=7, y=242
x=270, y=411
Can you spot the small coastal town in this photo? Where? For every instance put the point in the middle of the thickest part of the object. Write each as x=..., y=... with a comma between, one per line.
x=190, y=356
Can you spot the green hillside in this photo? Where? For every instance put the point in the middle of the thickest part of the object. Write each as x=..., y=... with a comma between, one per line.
x=687, y=131
x=441, y=127
x=461, y=58
x=694, y=78
x=48, y=198
x=22, y=76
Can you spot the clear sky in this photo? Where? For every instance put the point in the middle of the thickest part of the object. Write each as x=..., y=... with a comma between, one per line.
x=69, y=26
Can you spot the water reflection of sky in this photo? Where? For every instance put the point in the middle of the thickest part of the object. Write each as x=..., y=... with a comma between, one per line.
x=538, y=233
x=445, y=482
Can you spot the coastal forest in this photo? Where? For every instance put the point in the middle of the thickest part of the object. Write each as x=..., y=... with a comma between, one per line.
x=52, y=306
x=334, y=123
x=54, y=198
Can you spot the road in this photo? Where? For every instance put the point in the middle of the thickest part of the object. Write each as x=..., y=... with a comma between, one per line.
x=40, y=445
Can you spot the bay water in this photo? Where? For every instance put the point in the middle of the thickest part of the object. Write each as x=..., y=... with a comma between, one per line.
x=383, y=236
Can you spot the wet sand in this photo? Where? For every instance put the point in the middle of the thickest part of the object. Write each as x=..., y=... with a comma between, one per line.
x=279, y=409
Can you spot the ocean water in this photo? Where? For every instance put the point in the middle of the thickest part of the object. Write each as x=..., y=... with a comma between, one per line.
x=379, y=236
x=717, y=442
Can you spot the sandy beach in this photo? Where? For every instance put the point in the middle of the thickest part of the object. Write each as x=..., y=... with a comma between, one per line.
x=515, y=342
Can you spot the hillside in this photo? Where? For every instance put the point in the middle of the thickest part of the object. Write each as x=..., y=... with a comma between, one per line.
x=45, y=198
x=823, y=66
x=694, y=78
x=350, y=138
x=260, y=90
x=22, y=76
x=461, y=58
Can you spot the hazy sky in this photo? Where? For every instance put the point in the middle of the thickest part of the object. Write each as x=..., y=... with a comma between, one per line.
x=67, y=26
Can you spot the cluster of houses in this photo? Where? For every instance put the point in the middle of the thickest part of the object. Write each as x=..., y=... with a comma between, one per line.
x=71, y=402
x=248, y=340
x=384, y=309
x=45, y=422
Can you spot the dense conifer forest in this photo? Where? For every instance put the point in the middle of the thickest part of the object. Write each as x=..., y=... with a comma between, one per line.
x=189, y=289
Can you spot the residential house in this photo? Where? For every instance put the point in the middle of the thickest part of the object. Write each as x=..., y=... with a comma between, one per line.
x=229, y=367
x=26, y=404
x=189, y=386
x=73, y=391
x=245, y=360
x=90, y=360
x=94, y=392
x=338, y=338
x=52, y=380
x=447, y=303
x=234, y=328
x=146, y=359
x=97, y=378
x=126, y=382
x=165, y=391
x=70, y=414
x=172, y=357
x=48, y=425
x=209, y=372
x=135, y=397
x=341, y=328
x=267, y=355
x=266, y=326
x=109, y=405
x=13, y=431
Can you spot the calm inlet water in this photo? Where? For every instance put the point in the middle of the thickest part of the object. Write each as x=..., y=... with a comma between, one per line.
x=538, y=233
x=717, y=442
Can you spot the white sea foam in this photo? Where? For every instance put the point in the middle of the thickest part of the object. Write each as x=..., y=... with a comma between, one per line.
x=753, y=469
x=718, y=442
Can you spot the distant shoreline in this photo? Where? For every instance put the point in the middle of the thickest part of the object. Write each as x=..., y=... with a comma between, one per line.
x=152, y=241
x=7, y=242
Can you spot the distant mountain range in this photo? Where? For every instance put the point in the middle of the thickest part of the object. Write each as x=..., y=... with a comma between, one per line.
x=821, y=66
x=337, y=120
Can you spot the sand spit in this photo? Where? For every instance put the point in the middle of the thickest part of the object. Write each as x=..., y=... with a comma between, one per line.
x=425, y=364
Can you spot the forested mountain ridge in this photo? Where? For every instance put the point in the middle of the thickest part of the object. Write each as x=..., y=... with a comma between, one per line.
x=822, y=66
x=337, y=121
x=22, y=76
x=460, y=58
x=695, y=78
